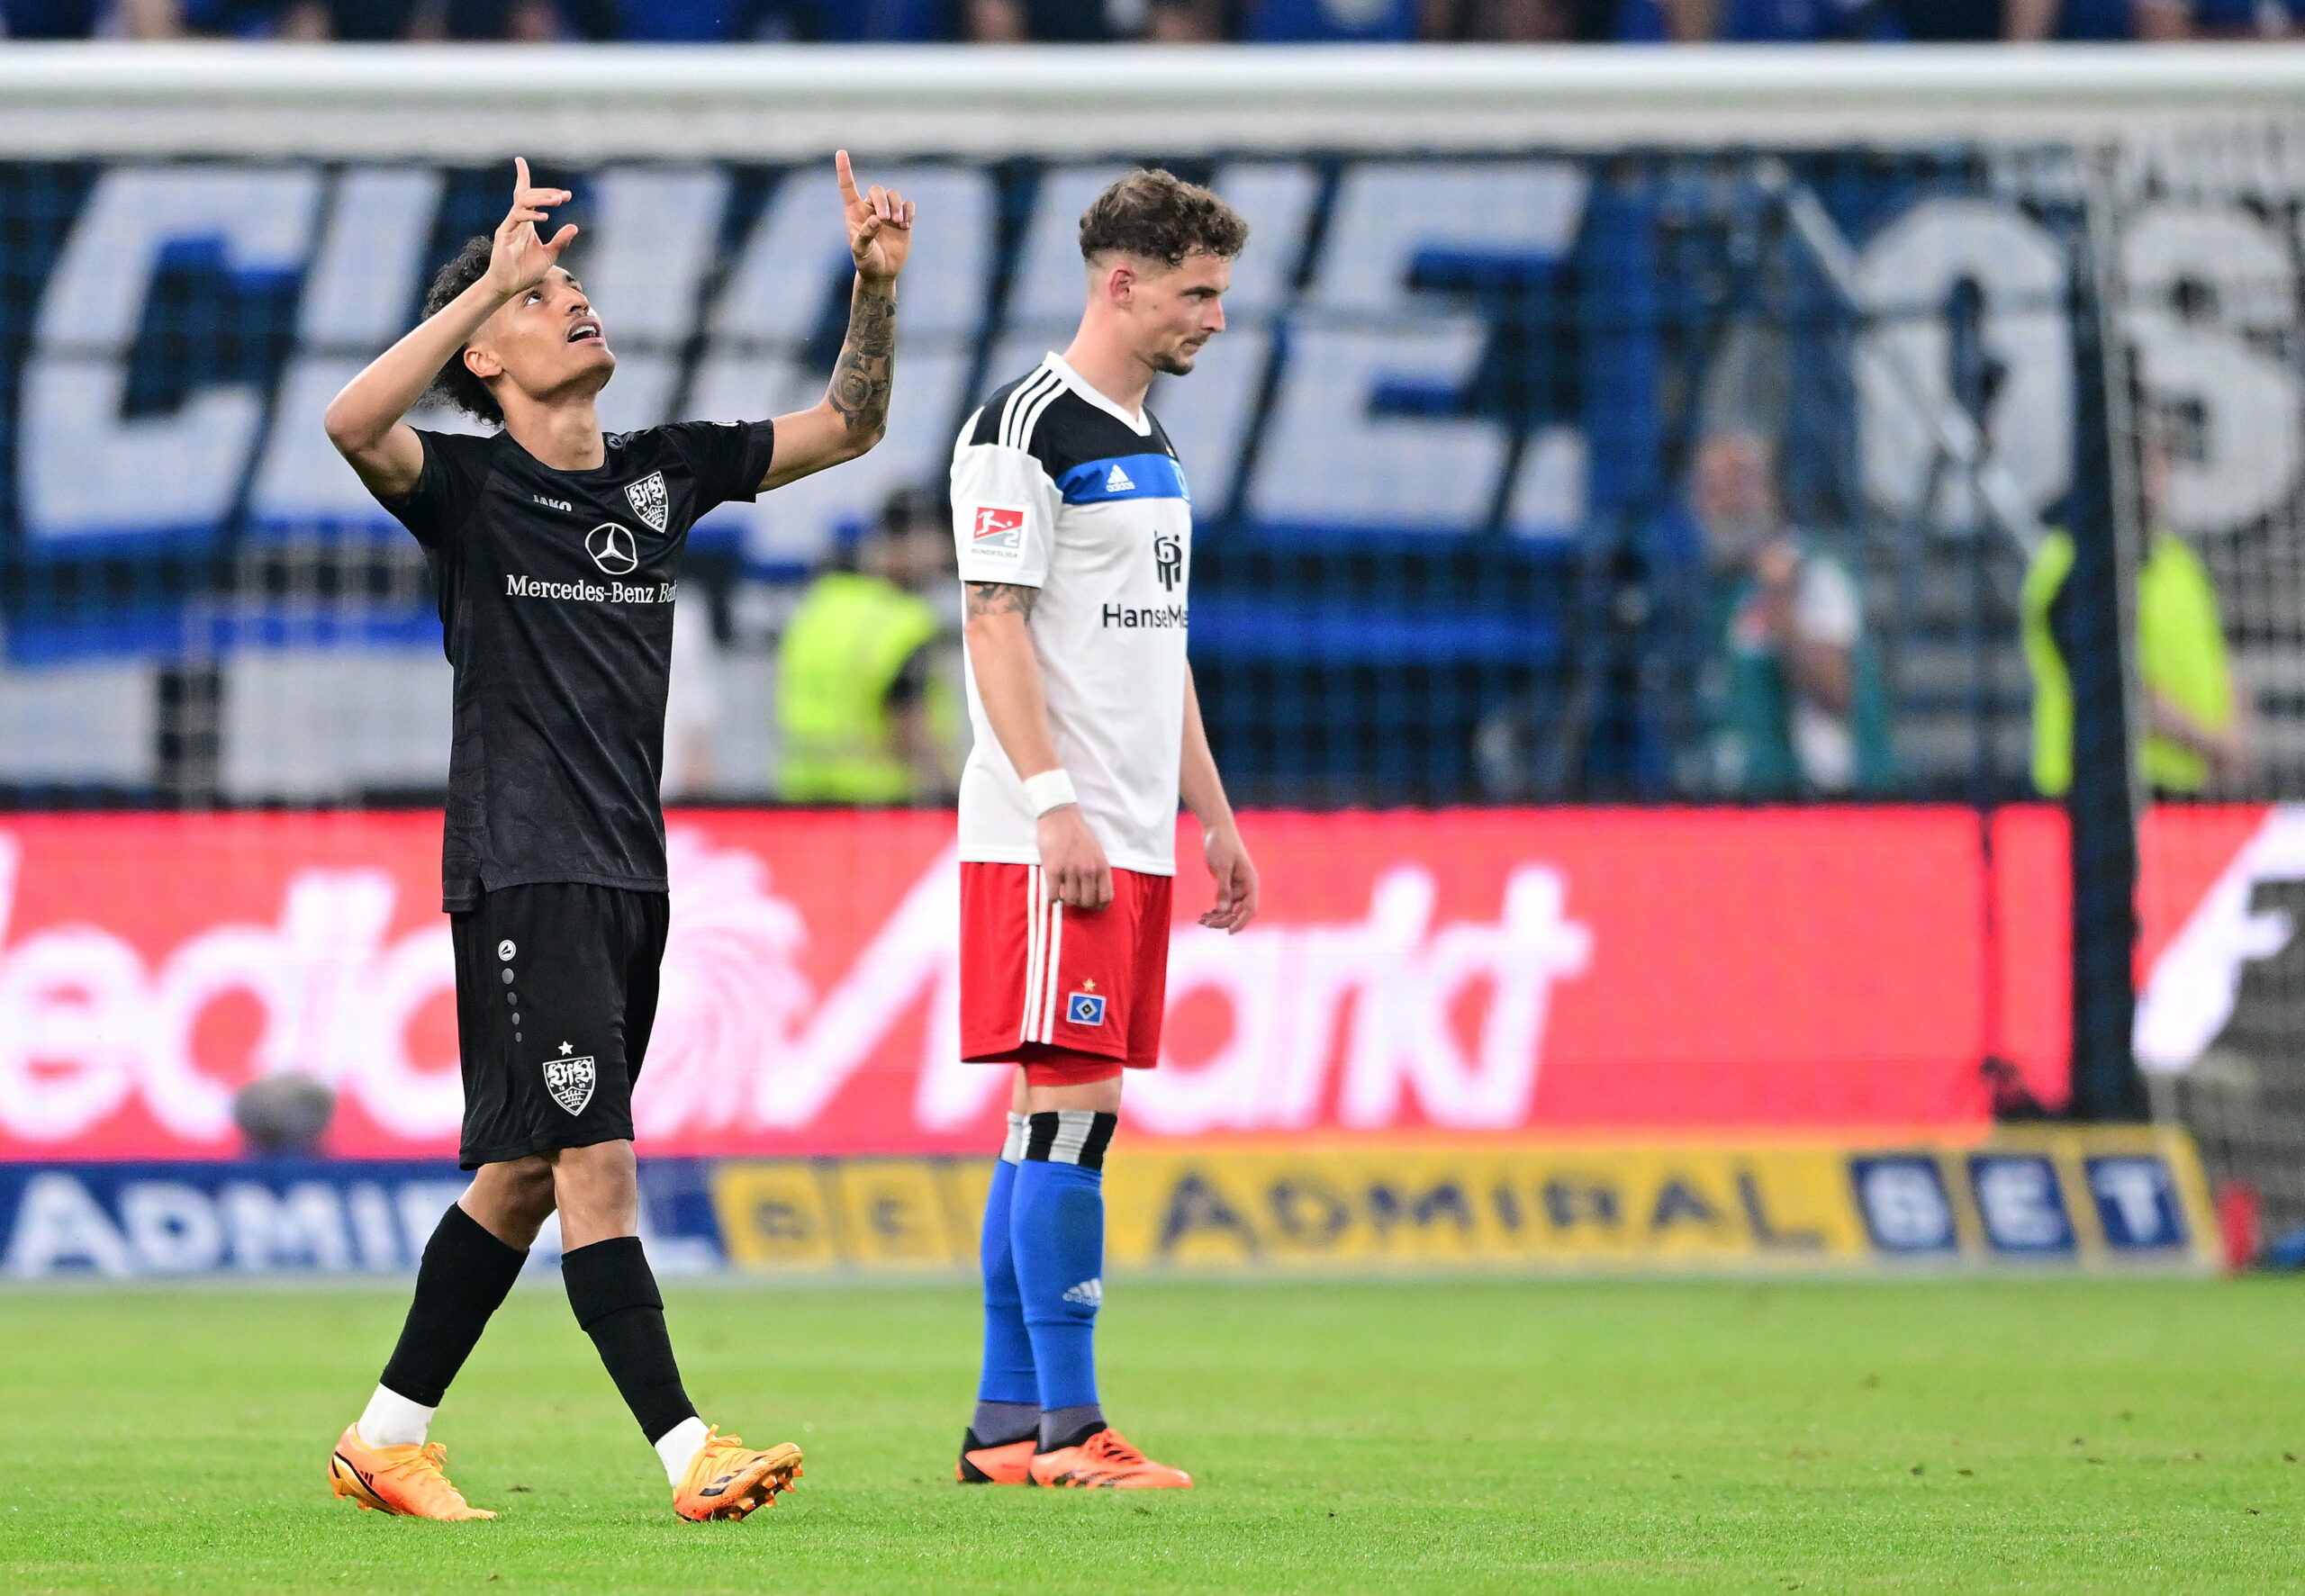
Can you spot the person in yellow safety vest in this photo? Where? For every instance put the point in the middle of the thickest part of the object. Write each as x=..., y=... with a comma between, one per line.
x=867, y=716
x=2197, y=719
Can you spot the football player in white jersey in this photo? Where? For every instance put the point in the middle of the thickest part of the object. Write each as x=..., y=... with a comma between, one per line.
x=1075, y=535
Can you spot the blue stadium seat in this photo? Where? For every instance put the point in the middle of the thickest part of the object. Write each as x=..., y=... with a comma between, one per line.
x=1807, y=21
x=1949, y=21
x=679, y=22
x=1338, y=21
x=359, y=22
x=2094, y=20
x=51, y=19
x=1642, y=21
x=2227, y=19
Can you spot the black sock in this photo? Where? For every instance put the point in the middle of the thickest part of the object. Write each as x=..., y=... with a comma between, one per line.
x=463, y=1279
x=614, y=1295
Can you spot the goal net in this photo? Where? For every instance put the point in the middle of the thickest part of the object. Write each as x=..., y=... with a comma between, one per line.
x=1728, y=434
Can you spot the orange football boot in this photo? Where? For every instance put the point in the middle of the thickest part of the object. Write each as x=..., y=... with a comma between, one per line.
x=727, y=1479
x=408, y=1481
x=1106, y=1460
x=1010, y=1464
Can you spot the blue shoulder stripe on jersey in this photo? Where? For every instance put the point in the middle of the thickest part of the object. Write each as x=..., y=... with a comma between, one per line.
x=1128, y=476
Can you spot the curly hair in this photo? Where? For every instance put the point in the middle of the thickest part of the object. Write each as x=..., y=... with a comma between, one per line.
x=455, y=384
x=1156, y=215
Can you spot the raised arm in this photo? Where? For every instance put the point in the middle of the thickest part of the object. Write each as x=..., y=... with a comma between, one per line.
x=854, y=411
x=1203, y=791
x=364, y=422
x=1009, y=683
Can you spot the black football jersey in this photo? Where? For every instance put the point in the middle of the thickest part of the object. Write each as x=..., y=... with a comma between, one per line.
x=556, y=592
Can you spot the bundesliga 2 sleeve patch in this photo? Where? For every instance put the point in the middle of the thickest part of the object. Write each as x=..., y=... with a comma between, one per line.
x=999, y=531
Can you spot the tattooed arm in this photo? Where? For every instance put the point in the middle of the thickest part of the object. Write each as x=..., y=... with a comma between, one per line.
x=1008, y=682
x=854, y=411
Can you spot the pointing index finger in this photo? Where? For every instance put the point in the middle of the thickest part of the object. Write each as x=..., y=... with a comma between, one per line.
x=847, y=178
x=519, y=173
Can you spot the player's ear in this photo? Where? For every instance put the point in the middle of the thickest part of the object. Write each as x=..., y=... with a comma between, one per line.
x=481, y=362
x=1120, y=283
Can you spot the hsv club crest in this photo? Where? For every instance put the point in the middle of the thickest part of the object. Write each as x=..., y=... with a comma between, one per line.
x=650, y=500
x=570, y=1082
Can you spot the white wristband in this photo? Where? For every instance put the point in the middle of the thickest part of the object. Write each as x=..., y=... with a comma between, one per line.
x=1051, y=789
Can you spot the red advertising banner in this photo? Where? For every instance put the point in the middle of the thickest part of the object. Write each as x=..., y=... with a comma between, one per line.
x=2201, y=918
x=1555, y=971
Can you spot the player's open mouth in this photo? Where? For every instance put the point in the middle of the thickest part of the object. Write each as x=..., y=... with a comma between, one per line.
x=585, y=332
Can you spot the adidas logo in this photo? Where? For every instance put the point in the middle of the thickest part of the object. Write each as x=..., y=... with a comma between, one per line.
x=1116, y=481
x=1088, y=1294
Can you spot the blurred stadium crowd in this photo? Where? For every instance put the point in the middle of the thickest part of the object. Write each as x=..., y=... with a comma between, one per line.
x=1182, y=22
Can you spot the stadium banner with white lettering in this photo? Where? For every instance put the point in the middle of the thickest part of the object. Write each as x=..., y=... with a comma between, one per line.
x=1486, y=336
x=2103, y=1197
x=1503, y=971
x=1489, y=304
x=134, y=1220
x=1466, y=330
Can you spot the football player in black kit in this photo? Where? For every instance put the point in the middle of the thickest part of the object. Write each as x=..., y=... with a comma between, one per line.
x=557, y=552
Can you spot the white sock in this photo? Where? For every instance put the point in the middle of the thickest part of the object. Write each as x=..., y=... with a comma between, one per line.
x=390, y=1419
x=678, y=1448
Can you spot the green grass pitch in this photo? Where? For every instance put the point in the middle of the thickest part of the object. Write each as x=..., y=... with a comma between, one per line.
x=1438, y=1436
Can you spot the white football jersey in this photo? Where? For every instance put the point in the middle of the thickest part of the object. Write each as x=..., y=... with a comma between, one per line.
x=1056, y=487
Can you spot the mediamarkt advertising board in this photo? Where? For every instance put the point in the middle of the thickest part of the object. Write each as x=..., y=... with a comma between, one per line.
x=1523, y=972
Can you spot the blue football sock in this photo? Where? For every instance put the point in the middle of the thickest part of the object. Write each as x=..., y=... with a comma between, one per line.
x=1058, y=1229
x=1007, y=1382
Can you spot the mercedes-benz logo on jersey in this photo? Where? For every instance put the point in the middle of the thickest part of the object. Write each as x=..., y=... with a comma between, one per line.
x=1169, y=560
x=650, y=500
x=612, y=548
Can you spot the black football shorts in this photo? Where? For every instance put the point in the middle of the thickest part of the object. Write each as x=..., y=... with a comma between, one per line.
x=555, y=996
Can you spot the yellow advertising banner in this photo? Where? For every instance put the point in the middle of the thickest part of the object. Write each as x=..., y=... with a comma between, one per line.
x=2052, y=1196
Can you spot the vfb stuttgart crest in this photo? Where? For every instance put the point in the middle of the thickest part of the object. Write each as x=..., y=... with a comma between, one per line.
x=649, y=501
x=570, y=1082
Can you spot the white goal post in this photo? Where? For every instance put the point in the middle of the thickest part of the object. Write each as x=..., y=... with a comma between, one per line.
x=586, y=103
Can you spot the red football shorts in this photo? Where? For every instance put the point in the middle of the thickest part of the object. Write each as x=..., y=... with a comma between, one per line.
x=1035, y=975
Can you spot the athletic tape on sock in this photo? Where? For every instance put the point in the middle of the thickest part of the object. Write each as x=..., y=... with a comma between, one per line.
x=1012, y=1149
x=1071, y=1136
